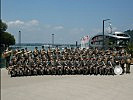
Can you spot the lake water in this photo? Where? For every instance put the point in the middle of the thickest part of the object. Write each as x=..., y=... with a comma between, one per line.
x=31, y=48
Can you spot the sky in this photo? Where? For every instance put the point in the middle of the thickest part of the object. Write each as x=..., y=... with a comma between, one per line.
x=68, y=20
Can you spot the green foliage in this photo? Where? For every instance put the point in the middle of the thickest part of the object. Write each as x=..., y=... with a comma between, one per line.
x=130, y=44
x=130, y=49
x=3, y=26
x=7, y=39
x=130, y=32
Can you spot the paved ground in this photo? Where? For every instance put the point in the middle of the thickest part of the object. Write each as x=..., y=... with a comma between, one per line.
x=76, y=87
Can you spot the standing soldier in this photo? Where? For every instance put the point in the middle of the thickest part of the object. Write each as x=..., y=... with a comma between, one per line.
x=128, y=62
x=122, y=63
x=43, y=52
x=7, y=55
x=25, y=50
x=35, y=52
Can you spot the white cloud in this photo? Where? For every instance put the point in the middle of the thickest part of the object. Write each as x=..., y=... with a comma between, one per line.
x=32, y=25
x=55, y=27
x=33, y=22
x=58, y=27
x=17, y=23
x=35, y=31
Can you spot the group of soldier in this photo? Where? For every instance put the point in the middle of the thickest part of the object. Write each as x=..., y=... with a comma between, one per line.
x=69, y=61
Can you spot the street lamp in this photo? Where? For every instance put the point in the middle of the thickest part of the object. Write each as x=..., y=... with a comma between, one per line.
x=19, y=37
x=52, y=39
x=76, y=44
x=103, y=30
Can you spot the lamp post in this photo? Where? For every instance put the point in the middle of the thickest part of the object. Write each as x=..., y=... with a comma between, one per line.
x=19, y=37
x=103, y=30
x=0, y=10
x=76, y=44
x=52, y=39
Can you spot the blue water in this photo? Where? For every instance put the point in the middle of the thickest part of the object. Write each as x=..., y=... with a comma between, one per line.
x=31, y=48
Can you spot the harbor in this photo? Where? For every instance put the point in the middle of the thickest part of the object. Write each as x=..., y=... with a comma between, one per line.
x=66, y=50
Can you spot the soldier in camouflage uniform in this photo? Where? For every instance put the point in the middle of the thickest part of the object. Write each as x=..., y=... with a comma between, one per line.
x=128, y=63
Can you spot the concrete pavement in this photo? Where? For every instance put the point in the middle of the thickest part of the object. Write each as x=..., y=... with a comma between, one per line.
x=67, y=87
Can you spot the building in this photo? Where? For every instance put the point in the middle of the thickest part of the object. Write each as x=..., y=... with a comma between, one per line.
x=114, y=39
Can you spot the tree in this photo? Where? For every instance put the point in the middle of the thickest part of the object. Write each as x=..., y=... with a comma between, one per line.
x=130, y=32
x=130, y=49
x=3, y=26
x=130, y=44
x=6, y=39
